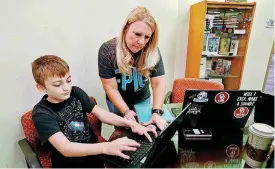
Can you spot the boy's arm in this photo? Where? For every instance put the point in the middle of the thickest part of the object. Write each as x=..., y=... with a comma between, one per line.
x=73, y=149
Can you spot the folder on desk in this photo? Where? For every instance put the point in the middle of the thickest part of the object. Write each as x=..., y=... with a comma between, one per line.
x=144, y=112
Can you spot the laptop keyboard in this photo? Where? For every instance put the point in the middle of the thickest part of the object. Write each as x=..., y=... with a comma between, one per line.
x=140, y=153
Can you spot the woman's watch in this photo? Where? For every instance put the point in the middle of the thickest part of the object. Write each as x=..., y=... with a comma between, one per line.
x=158, y=111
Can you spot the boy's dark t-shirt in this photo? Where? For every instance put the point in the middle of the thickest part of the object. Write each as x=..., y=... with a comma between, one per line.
x=133, y=88
x=68, y=117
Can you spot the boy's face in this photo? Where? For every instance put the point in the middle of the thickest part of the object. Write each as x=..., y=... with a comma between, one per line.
x=58, y=89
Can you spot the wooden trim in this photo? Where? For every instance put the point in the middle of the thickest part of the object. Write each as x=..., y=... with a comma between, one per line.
x=195, y=39
x=229, y=6
x=242, y=5
x=231, y=3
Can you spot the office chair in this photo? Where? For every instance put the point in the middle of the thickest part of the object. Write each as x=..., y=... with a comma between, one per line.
x=35, y=155
x=182, y=84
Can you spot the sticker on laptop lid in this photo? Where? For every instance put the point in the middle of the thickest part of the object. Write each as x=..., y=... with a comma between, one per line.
x=201, y=97
x=222, y=97
x=192, y=165
x=194, y=109
x=241, y=112
x=210, y=164
x=232, y=151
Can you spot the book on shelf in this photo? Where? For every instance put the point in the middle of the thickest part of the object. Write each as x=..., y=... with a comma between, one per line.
x=203, y=67
x=239, y=31
x=216, y=79
x=234, y=47
x=204, y=52
x=212, y=44
x=217, y=67
x=220, y=67
x=224, y=46
x=226, y=66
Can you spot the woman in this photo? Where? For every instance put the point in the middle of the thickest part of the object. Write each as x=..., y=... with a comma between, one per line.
x=127, y=64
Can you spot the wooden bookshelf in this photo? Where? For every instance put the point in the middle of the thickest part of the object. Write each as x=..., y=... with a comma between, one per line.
x=243, y=13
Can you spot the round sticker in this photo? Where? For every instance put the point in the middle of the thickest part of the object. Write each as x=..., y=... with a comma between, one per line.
x=230, y=30
x=241, y=112
x=222, y=97
x=192, y=165
x=210, y=164
x=232, y=151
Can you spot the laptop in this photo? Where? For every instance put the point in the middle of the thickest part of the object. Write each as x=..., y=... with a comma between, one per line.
x=147, y=149
x=223, y=113
x=219, y=108
x=264, y=109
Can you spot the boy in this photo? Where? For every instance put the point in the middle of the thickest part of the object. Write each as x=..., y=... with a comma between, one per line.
x=61, y=122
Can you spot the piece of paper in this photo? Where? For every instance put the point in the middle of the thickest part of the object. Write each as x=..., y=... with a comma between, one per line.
x=144, y=112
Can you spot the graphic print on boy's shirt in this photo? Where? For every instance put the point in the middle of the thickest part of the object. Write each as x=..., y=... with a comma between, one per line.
x=72, y=122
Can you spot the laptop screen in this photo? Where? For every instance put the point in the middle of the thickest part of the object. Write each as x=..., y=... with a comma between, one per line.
x=218, y=108
x=172, y=126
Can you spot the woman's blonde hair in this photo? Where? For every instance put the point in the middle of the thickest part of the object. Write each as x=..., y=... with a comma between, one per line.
x=149, y=54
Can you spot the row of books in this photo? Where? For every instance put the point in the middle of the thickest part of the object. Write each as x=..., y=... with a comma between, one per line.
x=215, y=45
x=219, y=22
x=219, y=67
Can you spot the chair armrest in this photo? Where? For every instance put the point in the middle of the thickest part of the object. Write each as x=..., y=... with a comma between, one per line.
x=167, y=97
x=30, y=156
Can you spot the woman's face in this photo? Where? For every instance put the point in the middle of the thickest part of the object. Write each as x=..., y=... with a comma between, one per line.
x=137, y=36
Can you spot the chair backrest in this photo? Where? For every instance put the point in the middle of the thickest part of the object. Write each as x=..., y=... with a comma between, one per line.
x=29, y=129
x=34, y=141
x=182, y=84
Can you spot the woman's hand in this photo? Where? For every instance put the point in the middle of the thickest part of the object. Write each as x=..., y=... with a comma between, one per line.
x=158, y=120
x=130, y=115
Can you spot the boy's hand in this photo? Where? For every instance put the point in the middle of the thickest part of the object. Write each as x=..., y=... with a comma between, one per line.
x=119, y=145
x=141, y=130
x=130, y=115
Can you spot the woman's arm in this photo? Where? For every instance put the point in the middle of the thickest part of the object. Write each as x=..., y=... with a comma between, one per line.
x=158, y=87
x=110, y=118
x=113, y=119
x=110, y=87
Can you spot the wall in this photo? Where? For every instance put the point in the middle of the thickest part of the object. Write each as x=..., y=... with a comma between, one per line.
x=182, y=38
x=269, y=83
x=260, y=45
x=73, y=30
x=166, y=15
